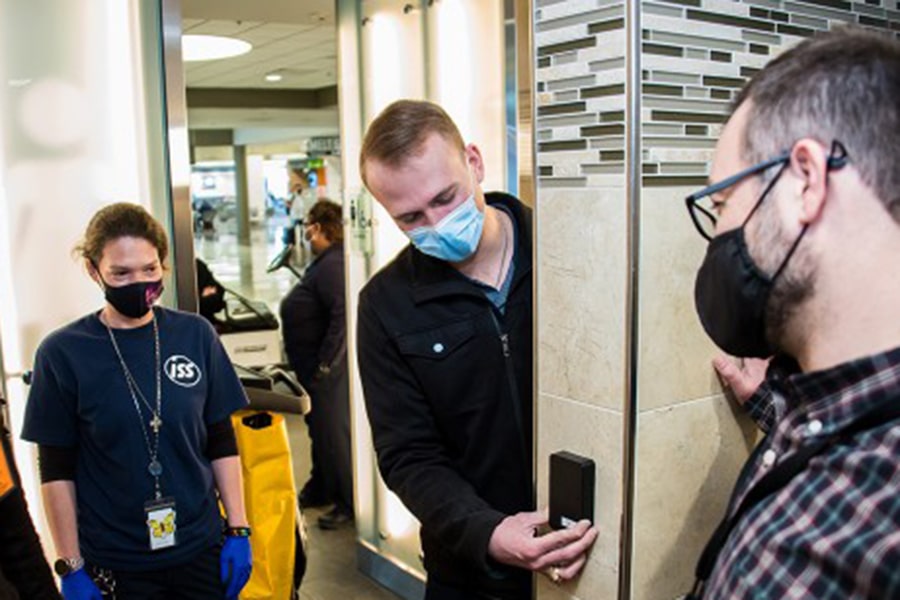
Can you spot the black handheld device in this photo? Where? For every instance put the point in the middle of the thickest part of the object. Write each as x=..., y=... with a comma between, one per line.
x=571, y=489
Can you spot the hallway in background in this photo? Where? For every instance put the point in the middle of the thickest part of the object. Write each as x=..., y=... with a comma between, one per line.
x=331, y=572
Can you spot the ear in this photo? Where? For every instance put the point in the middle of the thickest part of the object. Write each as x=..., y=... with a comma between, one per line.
x=475, y=161
x=809, y=164
x=93, y=272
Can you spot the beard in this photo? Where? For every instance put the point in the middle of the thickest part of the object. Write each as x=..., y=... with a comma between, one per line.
x=795, y=285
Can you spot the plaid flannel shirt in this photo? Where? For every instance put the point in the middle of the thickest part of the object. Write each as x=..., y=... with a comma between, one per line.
x=833, y=532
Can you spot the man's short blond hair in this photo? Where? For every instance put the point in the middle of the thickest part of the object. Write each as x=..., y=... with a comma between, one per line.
x=400, y=131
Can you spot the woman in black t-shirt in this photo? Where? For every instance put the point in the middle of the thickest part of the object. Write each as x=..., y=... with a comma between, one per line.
x=130, y=407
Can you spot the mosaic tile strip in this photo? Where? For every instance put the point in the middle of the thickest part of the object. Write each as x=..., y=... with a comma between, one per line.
x=580, y=46
x=696, y=55
x=739, y=37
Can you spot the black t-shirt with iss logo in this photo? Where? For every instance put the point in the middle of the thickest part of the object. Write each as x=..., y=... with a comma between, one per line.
x=79, y=398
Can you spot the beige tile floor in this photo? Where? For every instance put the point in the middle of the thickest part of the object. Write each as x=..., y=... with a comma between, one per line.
x=331, y=571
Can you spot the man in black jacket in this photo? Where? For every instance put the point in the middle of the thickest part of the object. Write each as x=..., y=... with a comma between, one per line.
x=23, y=567
x=445, y=354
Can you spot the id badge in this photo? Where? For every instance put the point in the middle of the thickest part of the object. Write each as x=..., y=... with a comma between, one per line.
x=161, y=523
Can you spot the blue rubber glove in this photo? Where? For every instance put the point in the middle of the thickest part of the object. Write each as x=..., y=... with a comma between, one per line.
x=235, y=564
x=79, y=586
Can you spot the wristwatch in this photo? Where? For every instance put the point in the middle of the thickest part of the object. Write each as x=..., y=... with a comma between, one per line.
x=237, y=532
x=67, y=566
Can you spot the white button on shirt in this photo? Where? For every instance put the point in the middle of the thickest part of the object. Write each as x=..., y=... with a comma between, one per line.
x=768, y=458
x=814, y=427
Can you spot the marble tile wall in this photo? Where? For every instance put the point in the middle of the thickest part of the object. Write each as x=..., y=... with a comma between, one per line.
x=690, y=441
x=580, y=217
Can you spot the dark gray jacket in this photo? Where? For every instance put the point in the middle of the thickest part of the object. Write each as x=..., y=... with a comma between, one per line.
x=313, y=318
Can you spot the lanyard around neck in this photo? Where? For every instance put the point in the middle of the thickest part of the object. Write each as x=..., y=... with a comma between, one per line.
x=154, y=467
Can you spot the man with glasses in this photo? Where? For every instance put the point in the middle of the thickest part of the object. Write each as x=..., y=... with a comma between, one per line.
x=445, y=355
x=803, y=225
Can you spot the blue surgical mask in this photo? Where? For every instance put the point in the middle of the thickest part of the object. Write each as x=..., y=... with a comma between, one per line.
x=456, y=237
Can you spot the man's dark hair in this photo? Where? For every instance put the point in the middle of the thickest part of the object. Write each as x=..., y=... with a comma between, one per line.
x=842, y=85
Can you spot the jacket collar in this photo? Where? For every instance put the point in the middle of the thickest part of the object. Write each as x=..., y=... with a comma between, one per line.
x=434, y=278
x=334, y=247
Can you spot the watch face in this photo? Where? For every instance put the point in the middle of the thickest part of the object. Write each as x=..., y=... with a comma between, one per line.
x=61, y=567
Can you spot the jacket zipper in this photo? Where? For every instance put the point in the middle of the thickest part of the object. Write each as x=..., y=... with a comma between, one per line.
x=514, y=391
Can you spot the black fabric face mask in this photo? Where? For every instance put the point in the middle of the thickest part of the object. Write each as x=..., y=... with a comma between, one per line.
x=135, y=299
x=731, y=294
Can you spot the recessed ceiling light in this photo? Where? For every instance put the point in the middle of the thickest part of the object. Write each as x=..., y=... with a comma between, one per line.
x=273, y=76
x=211, y=47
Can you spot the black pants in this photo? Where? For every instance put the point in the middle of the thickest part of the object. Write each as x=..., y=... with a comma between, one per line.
x=436, y=590
x=197, y=579
x=330, y=433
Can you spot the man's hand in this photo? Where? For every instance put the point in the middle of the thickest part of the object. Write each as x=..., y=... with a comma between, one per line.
x=515, y=542
x=743, y=379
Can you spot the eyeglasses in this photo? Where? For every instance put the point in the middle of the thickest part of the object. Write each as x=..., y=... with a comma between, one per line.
x=704, y=217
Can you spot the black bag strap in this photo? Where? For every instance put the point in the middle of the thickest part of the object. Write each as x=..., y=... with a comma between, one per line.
x=886, y=411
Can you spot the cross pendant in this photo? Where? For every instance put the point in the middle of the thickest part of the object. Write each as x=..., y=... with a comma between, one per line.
x=156, y=423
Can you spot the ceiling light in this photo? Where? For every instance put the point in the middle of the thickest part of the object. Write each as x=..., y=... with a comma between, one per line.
x=211, y=47
x=274, y=76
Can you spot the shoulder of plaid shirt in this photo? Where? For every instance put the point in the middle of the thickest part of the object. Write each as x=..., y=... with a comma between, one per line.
x=834, y=530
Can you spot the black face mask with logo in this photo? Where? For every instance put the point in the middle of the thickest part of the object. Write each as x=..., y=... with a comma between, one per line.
x=135, y=299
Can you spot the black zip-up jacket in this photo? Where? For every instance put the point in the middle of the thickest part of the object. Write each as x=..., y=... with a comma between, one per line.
x=448, y=389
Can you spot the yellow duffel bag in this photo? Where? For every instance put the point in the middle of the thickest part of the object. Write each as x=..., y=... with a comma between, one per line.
x=271, y=501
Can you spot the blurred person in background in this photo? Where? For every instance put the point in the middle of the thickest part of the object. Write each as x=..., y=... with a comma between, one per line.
x=314, y=327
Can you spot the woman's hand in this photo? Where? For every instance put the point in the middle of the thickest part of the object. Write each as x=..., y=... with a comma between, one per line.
x=235, y=565
x=78, y=585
